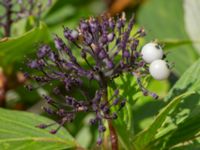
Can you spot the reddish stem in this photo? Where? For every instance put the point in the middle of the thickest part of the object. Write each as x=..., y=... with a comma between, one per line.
x=113, y=136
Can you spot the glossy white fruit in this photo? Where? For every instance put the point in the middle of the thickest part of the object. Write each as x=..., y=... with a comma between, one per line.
x=151, y=51
x=159, y=69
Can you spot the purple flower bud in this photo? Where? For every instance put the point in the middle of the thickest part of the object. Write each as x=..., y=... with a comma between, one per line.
x=60, y=112
x=29, y=87
x=103, y=39
x=93, y=25
x=111, y=24
x=93, y=121
x=134, y=45
x=53, y=131
x=116, y=92
x=106, y=110
x=102, y=54
x=88, y=39
x=126, y=54
x=90, y=75
x=110, y=37
x=141, y=64
x=145, y=92
x=26, y=75
x=136, y=55
x=48, y=110
x=42, y=126
x=48, y=99
x=52, y=56
x=141, y=32
x=59, y=44
x=109, y=64
x=116, y=101
x=43, y=50
x=101, y=128
x=99, y=141
x=114, y=116
x=122, y=104
x=69, y=100
x=154, y=95
x=71, y=35
x=94, y=107
x=122, y=65
x=120, y=23
x=83, y=25
x=33, y=64
x=74, y=34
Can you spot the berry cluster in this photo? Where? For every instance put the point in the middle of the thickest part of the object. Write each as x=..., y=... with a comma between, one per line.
x=152, y=53
x=105, y=48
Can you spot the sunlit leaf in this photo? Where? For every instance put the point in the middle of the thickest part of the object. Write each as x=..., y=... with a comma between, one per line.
x=18, y=131
x=145, y=137
x=128, y=89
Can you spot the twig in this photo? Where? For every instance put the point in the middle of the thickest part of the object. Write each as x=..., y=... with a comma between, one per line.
x=113, y=133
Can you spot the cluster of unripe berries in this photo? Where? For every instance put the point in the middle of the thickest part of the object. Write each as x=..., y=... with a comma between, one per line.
x=152, y=54
x=108, y=50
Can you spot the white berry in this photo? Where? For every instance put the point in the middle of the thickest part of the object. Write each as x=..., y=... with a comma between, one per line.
x=151, y=51
x=159, y=69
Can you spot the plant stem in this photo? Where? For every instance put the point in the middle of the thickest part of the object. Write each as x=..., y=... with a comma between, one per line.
x=113, y=136
x=3, y=83
x=113, y=133
x=7, y=26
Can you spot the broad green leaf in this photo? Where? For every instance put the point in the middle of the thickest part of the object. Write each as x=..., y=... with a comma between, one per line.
x=185, y=132
x=189, y=81
x=192, y=20
x=182, y=126
x=186, y=117
x=14, y=49
x=145, y=137
x=193, y=146
x=159, y=18
x=18, y=132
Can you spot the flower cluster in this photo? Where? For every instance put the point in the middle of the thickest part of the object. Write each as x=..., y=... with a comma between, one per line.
x=108, y=49
x=14, y=10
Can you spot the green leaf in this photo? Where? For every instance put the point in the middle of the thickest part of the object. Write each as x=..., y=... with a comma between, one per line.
x=145, y=137
x=172, y=43
x=125, y=137
x=185, y=132
x=194, y=146
x=159, y=18
x=187, y=115
x=14, y=49
x=192, y=20
x=128, y=89
x=189, y=81
x=18, y=132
